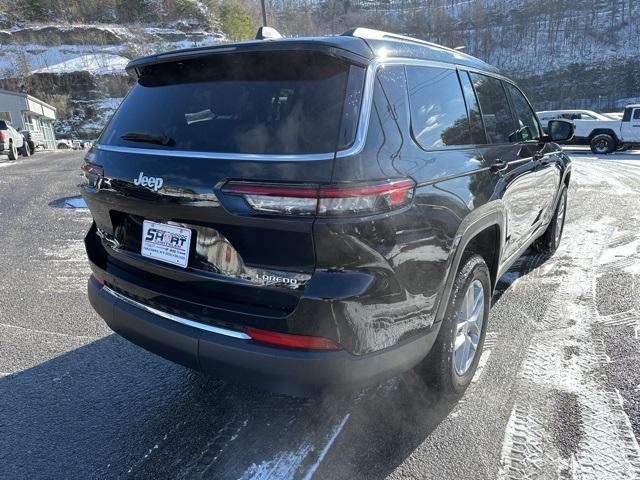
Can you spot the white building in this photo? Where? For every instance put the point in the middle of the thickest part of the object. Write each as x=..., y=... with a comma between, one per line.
x=28, y=113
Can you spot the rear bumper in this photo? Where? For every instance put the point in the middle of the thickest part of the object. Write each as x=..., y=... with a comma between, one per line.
x=297, y=372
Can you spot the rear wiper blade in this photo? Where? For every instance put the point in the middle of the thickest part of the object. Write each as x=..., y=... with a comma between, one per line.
x=159, y=138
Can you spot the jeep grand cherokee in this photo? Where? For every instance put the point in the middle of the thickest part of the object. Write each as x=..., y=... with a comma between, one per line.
x=317, y=212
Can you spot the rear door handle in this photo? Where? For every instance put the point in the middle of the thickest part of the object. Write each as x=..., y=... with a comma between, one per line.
x=498, y=165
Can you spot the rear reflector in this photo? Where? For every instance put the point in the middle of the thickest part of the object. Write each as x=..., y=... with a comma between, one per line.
x=358, y=199
x=292, y=341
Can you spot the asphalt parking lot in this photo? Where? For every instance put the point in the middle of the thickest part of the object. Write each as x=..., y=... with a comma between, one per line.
x=557, y=396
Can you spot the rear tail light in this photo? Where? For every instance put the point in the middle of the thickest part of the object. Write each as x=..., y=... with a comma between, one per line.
x=92, y=173
x=324, y=200
x=292, y=341
x=1, y=136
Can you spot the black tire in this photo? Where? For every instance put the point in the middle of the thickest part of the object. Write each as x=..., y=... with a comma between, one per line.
x=549, y=242
x=25, y=151
x=13, y=153
x=603, y=143
x=440, y=363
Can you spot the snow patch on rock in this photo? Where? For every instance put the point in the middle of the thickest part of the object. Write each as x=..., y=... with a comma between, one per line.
x=96, y=64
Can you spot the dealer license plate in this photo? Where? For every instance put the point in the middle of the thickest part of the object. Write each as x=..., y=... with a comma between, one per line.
x=166, y=243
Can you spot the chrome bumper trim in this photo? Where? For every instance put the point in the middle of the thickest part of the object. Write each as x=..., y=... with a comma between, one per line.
x=177, y=318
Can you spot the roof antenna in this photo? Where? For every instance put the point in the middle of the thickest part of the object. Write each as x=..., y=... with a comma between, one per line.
x=267, y=33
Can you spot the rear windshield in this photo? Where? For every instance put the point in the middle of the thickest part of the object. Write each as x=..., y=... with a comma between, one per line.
x=256, y=103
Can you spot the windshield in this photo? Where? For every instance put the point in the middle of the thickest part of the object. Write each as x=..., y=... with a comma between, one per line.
x=256, y=103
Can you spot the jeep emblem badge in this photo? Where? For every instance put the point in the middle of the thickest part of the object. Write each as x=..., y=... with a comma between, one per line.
x=154, y=183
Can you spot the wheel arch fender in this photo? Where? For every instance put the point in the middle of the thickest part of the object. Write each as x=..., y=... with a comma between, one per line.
x=566, y=176
x=603, y=131
x=490, y=217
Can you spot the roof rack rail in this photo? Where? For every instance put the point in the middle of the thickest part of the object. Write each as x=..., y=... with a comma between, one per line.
x=370, y=33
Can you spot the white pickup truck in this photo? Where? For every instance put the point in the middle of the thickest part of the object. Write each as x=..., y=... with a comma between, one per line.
x=11, y=141
x=606, y=135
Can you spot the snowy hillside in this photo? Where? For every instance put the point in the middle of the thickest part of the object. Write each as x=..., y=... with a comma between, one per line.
x=94, y=63
x=73, y=53
x=566, y=54
x=80, y=68
x=44, y=47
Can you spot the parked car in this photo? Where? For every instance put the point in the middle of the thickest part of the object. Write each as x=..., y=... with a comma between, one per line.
x=587, y=115
x=614, y=115
x=63, y=144
x=326, y=213
x=606, y=136
x=11, y=141
x=34, y=140
x=547, y=115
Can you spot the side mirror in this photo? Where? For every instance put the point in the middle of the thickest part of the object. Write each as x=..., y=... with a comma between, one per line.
x=560, y=130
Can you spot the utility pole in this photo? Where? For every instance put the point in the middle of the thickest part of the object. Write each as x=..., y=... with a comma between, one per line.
x=264, y=14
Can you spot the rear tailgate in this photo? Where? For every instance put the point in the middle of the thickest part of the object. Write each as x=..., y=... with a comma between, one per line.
x=189, y=128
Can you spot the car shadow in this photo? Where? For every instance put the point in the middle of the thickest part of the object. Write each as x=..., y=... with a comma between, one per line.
x=111, y=409
x=526, y=264
x=74, y=202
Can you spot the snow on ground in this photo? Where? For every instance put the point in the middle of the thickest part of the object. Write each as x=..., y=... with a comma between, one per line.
x=97, y=64
x=570, y=419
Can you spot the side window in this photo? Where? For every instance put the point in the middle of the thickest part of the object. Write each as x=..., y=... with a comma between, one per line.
x=636, y=114
x=475, y=118
x=525, y=116
x=496, y=113
x=438, y=112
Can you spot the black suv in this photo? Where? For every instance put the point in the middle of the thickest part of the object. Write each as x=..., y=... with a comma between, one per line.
x=317, y=212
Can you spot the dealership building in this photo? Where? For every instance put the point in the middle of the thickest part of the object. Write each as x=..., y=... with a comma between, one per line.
x=28, y=113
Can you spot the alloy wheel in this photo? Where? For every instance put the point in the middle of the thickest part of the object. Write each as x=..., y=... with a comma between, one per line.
x=601, y=146
x=469, y=328
x=562, y=208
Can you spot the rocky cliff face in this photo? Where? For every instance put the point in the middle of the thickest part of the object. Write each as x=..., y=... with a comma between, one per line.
x=79, y=68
